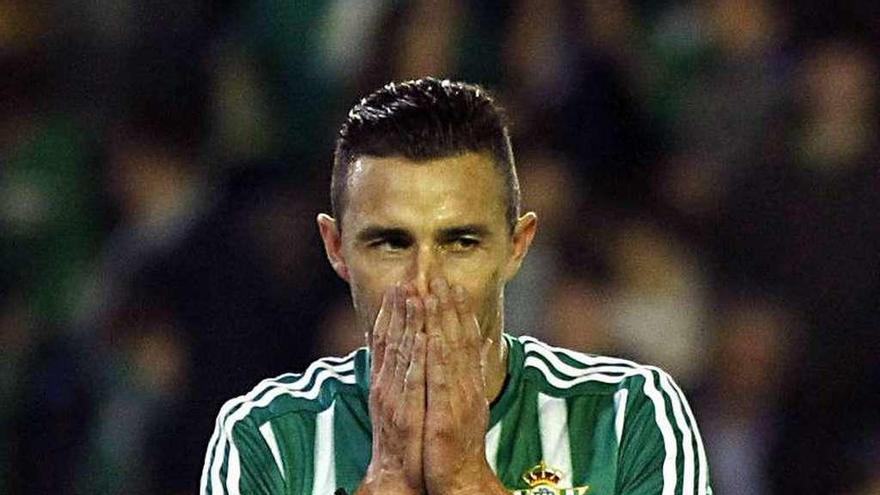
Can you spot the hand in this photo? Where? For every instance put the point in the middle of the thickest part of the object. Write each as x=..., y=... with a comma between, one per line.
x=397, y=397
x=457, y=409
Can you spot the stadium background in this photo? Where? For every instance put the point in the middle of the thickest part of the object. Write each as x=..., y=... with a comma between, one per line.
x=706, y=174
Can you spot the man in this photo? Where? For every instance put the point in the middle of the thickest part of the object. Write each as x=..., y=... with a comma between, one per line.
x=426, y=230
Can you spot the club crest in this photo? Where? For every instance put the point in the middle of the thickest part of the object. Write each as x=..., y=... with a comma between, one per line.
x=544, y=480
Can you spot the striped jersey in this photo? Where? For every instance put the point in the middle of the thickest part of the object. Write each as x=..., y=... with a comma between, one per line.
x=602, y=425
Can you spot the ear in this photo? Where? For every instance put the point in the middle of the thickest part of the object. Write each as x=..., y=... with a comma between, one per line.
x=523, y=234
x=329, y=230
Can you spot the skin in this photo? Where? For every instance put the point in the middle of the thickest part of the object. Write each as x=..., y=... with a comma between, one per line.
x=426, y=250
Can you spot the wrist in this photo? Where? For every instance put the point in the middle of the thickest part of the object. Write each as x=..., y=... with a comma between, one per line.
x=482, y=480
x=491, y=486
x=381, y=482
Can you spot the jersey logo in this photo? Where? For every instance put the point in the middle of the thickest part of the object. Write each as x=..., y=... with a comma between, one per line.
x=543, y=480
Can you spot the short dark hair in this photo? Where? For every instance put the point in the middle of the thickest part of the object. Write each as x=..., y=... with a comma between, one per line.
x=421, y=120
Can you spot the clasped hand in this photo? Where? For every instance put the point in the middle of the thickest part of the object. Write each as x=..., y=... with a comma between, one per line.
x=427, y=396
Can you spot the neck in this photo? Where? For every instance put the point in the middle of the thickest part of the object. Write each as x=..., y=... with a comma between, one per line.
x=495, y=371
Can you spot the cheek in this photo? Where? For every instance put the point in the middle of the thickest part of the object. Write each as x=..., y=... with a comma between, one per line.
x=484, y=290
x=479, y=275
x=368, y=283
x=366, y=301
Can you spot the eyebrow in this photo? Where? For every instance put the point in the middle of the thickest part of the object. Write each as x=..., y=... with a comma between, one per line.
x=476, y=230
x=373, y=232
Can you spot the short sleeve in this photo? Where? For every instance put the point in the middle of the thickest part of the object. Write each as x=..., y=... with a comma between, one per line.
x=661, y=450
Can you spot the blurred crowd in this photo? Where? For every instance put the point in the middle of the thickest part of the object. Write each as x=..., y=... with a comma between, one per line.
x=705, y=174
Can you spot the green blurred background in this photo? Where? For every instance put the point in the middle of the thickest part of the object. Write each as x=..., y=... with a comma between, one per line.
x=706, y=174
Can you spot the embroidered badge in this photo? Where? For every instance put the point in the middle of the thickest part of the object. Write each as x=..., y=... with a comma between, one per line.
x=544, y=480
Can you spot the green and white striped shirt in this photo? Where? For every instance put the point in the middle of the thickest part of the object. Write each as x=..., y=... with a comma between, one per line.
x=608, y=424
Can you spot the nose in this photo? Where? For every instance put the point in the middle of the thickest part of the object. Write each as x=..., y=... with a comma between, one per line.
x=426, y=266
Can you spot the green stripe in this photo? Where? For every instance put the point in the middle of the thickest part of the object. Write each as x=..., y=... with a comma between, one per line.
x=520, y=444
x=593, y=442
x=223, y=468
x=295, y=434
x=285, y=466
x=258, y=467
x=353, y=439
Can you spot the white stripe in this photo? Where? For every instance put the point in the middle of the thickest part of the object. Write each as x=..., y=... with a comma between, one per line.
x=493, y=439
x=702, y=489
x=688, y=449
x=324, y=480
x=553, y=425
x=209, y=461
x=247, y=404
x=589, y=375
x=669, y=474
x=620, y=412
x=233, y=470
x=595, y=376
x=613, y=366
x=269, y=437
x=535, y=344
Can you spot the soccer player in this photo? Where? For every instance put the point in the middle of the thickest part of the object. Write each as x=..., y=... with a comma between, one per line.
x=427, y=230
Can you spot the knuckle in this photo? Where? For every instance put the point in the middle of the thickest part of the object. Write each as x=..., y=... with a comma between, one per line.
x=443, y=432
x=401, y=423
x=387, y=410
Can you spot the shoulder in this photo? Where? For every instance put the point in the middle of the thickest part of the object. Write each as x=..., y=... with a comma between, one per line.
x=243, y=444
x=309, y=391
x=567, y=372
x=659, y=441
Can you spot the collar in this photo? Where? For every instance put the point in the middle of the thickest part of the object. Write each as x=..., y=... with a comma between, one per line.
x=509, y=391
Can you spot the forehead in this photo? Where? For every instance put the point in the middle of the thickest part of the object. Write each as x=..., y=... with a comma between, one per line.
x=466, y=188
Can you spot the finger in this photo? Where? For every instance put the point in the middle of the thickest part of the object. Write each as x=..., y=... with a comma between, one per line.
x=484, y=352
x=414, y=382
x=404, y=354
x=474, y=350
x=484, y=360
x=449, y=322
x=433, y=326
x=469, y=324
x=416, y=318
x=438, y=387
x=380, y=329
x=411, y=414
x=394, y=333
x=432, y=317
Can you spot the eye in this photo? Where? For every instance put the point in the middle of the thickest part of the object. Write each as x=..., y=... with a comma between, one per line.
x=389, y=244
x=463, y=244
